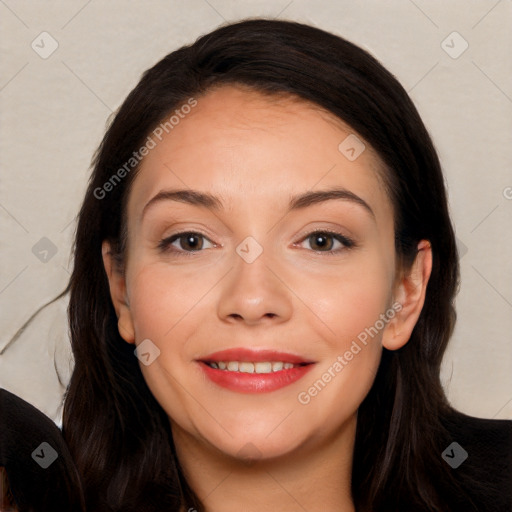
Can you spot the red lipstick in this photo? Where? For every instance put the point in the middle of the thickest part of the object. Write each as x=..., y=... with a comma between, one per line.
x=221, y=368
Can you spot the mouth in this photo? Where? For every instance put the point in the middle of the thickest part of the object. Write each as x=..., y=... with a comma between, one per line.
x=253, y=367
x=249, y=371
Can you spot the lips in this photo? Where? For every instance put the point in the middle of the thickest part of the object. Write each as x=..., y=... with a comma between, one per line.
x=254, y=371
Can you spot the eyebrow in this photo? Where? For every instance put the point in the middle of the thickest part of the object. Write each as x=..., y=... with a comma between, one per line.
x=207, y=200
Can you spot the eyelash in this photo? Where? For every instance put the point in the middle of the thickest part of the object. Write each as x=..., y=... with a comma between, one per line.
x=165, y=244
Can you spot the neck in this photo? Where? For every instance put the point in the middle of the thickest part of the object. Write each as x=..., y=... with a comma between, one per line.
x=314, y=477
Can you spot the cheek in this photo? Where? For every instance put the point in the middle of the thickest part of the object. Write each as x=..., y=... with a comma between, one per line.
x=346, y=301
x=165, y=303
x=161, y=297
x=352, y=309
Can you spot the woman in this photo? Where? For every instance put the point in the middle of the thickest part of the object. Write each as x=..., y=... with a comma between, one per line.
x=266, y=228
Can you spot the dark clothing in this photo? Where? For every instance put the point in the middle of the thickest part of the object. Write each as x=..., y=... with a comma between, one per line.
x=41, y=473
x=488, y=444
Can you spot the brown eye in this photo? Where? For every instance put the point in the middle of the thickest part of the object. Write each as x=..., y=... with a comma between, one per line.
x=321, y=241
x=325, y=241
x=191, y=241
x=184, y=242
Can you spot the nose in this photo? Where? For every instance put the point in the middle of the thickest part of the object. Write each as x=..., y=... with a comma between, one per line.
x=255, y=293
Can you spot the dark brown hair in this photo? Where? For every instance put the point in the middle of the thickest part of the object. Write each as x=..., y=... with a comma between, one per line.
x=118, y=433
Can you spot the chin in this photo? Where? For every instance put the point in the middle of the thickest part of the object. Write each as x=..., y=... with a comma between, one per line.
x=257, y=449
x=253, y=441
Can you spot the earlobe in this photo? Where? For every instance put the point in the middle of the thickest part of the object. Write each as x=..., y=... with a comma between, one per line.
x=118, y=294
x=410, y=293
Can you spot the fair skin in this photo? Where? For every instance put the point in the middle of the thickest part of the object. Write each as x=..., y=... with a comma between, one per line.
x=297, y=296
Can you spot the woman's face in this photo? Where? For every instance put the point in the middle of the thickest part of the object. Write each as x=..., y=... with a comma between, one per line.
x=262, y=274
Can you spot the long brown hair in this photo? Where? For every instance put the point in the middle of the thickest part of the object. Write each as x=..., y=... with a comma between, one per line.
x=118, y=433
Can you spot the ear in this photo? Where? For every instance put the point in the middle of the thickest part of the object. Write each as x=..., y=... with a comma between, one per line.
x=117, y=285
x=410, y=292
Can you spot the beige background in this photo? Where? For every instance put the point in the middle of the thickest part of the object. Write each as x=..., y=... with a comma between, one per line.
x=54, y=112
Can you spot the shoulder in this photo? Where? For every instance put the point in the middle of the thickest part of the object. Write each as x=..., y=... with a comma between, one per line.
x=41, y=472
x=481, y=435
x=24, y=427
x=480, y=451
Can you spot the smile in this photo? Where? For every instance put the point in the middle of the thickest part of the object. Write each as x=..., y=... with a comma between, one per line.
x=251, y=371
x=250, y=367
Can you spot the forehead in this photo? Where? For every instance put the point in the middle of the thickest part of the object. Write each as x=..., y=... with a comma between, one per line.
x=241, y=144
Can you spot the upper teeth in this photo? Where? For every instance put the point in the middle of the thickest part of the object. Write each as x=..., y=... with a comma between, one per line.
x=245, y=367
